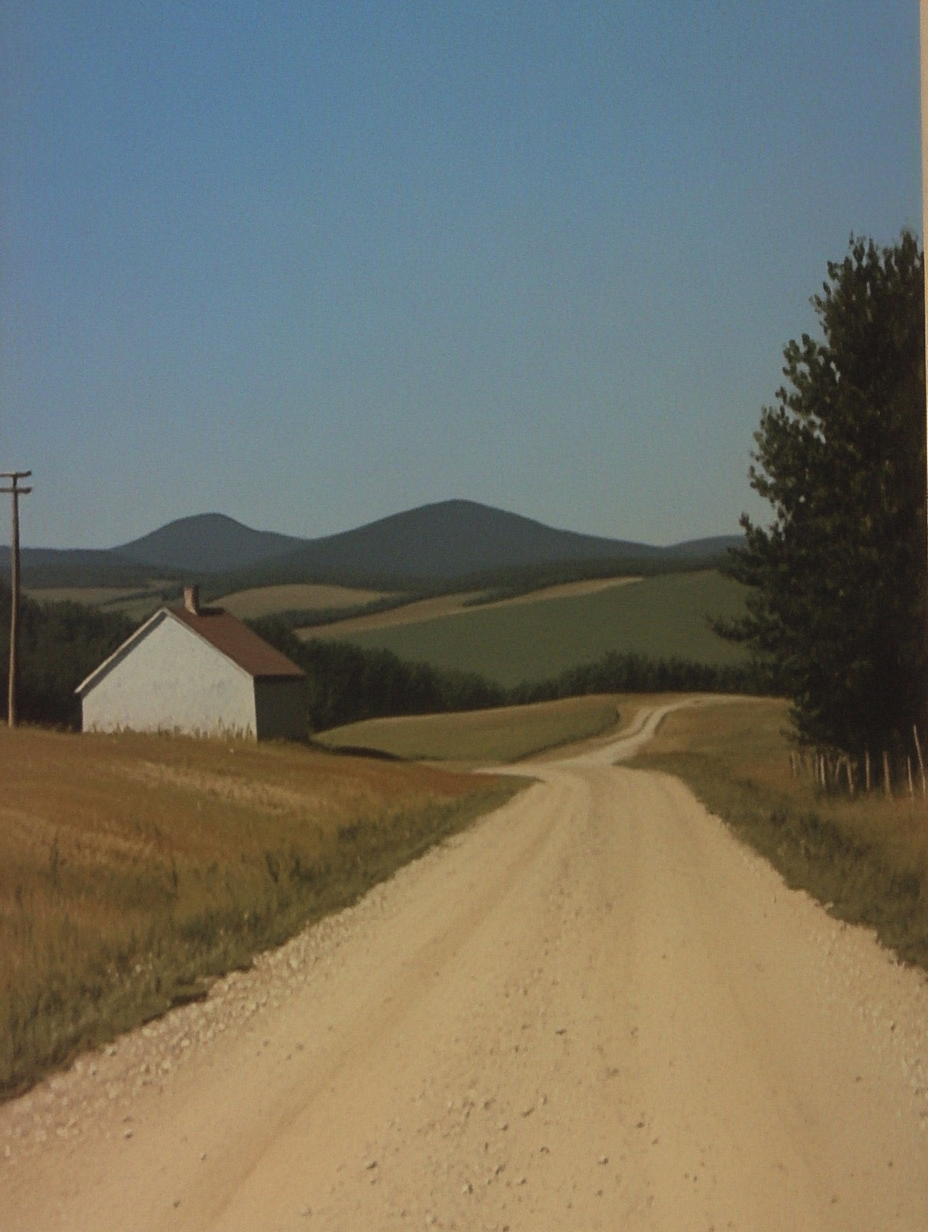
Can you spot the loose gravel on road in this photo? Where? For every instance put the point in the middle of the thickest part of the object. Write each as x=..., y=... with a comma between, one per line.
x=593, y=1010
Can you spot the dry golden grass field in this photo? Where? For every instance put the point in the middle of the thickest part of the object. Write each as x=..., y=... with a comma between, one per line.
x=866, y=856
x=133, y=868
x=484, y=737
x=266, y=600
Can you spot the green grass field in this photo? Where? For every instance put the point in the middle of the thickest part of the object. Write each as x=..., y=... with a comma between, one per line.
x=484, y=737
x=659, y=617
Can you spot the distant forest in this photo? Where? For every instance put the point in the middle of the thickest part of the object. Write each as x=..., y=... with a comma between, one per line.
x=59, y=644
x=62, y=643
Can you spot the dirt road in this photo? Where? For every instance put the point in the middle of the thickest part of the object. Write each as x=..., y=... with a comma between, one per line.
x=593, y=1010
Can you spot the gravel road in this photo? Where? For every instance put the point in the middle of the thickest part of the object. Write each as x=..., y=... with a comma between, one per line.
x=593, y=1010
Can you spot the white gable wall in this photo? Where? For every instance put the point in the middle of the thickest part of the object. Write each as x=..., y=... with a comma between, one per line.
x=172, y=680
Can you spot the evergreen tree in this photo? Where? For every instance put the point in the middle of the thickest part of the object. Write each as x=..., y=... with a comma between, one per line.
x=837, y=583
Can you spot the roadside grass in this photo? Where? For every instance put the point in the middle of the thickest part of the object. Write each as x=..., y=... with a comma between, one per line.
x=865, y=858
x=484, y=737
x=660, y=617
x=136, y=868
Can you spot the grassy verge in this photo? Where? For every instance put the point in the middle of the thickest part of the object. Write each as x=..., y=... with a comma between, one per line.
x=135, y=868
x=482, y=737
x=865, y=858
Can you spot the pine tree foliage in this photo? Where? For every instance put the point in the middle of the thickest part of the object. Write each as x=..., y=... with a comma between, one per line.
x=837, y=582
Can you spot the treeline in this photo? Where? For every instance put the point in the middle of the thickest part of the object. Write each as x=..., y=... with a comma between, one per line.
x=636, y=673
x=59, y=644
x=347, y=684
x=837, y=598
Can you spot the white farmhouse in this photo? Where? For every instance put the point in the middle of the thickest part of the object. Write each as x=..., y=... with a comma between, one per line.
x=200, y=671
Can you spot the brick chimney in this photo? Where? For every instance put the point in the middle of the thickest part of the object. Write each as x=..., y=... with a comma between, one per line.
x=192, y=599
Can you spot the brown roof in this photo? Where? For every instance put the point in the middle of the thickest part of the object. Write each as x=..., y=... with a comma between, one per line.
x=238, y=643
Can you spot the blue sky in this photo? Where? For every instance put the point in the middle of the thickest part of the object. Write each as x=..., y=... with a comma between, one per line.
x=309, y=264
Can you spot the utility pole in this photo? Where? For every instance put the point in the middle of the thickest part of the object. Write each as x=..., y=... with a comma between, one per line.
x=923, y=60
x=16, y=492
x=923, y=48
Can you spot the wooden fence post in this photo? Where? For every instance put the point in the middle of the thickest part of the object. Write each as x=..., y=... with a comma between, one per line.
x=921, y=764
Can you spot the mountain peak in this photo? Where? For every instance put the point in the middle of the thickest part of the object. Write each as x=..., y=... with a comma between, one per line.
x=207, y=543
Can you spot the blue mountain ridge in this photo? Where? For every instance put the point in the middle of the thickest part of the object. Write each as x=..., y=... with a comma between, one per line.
x=443, y=540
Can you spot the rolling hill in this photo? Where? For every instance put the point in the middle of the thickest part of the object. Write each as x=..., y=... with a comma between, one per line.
x=437, y=542
x=460, y=538
x=207, y=543
x=510, y=643
x=452, y=539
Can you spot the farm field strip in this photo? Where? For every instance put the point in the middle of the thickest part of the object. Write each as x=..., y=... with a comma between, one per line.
x=660, y=617
x=451, y=605
x=90, y=596
x=137, y=602
x=266, y=600
x=410, y=613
